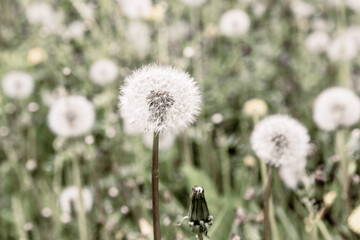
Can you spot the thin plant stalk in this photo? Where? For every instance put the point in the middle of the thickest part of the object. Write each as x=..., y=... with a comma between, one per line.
x=267, y=230
x=155, y=187
x=344, y=179
x=80, y=210
x=273, y=226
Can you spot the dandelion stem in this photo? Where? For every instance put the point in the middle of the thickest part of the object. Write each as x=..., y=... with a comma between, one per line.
x=155, y=187
x=81, y=211
x=267, y=231
x=341, y=152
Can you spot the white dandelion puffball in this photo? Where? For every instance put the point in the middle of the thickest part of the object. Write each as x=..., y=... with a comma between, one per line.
x=138, y=35
x=336, y=107
x=17, y=84
x=342, y=48
x=103, y=71
x=70, y=197
x=166, y=140
x=280, y=140
x=301, y=9
x=354, y=5
x=234, y=22
x=41, y=13
x=136, y=9
x=75, y=30
x=292, y=174
x=317, y=42
x=354, y=220
x=193, y=3
x=158, y=98
x=71, y=116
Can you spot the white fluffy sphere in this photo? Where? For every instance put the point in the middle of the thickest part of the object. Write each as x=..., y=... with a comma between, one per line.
x=234, y=22
x=159, y=98
x=336, y=107
x=317, y=42
x=71, y=116
x=17, y=84
x=136, y=9
x=103, y=71
x=280, y=140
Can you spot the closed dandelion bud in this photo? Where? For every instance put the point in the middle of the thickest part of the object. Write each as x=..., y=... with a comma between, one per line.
x=200, y=218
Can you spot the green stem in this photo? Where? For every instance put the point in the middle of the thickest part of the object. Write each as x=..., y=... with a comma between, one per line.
x=344, y=179
x=19, y=217
x=81, y=211
x=324, y=232
x=155, y=187
x=267, y=230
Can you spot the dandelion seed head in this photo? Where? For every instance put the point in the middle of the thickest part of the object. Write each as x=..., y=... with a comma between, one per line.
x=234, y=23
x=280, y=140
x=71, y=116
x=18, y=84
x=41, y=13
x=70, y=197
x=354, y=220
x=136, y=9
x=103, y=71
x=138, y=35
x=301, y=9
x=75, y=30
x=159, y=98
x=336, y=107
x=36, y=55
x=317, y=42
x=46, y=212
x=342, y=48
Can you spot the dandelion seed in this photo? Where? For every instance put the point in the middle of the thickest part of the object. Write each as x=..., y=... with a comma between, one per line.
x=17, y=84
x=103, y=71
x=234, y=23
x=71, y=116
x=70, y=197
x=336, y=107
x=317, y=42
x=46, y=212
x=280, y=140
x=159, y=98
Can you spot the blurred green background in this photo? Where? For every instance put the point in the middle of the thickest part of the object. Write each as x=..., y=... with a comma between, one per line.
x=272, y=60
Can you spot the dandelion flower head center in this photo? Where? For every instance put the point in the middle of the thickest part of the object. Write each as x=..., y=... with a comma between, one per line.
x=159, y=102
x=71, y=117
x=280, y=142
x=338, y=110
